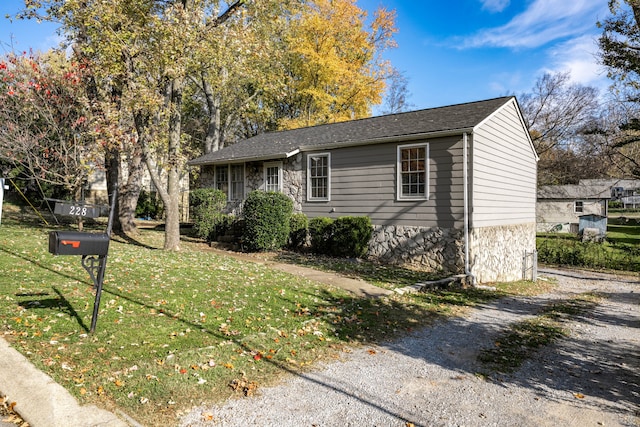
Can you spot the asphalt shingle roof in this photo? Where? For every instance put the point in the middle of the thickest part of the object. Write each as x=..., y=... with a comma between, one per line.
x=275, y=145
x=573, y=192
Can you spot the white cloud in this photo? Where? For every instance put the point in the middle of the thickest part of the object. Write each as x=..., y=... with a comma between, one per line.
x=544, y=21
x=495, y=6
x=578, y=56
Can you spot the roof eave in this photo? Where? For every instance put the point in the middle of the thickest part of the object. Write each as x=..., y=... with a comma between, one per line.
x=277, y=156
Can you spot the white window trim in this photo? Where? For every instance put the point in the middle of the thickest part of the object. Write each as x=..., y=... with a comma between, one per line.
x=319, y=199
x=575, y=206
x=399, y=196
x=264, y=174
x=230, y=166
x=244, y=182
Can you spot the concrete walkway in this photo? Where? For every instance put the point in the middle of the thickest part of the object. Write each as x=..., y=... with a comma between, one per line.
x=42, y=402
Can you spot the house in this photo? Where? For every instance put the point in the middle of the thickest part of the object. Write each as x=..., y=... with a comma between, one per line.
x=619, y=187
x=560, y=207
x=450, y=189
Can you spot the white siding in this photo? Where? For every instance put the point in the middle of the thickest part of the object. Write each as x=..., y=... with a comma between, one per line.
x=504, y=165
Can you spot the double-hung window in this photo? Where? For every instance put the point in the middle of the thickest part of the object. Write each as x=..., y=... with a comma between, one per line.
x=222, y=179
x=578, y=206
x=273, y=176
x=230, y=180
x=413, y=172
x=319, y=177
x=237, y=182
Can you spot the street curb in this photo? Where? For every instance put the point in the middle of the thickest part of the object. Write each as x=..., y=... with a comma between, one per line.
x=41, y=401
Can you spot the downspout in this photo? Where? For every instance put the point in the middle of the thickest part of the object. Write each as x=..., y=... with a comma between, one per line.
x=465, y=190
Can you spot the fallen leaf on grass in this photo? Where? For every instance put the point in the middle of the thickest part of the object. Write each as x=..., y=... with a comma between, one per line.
x=247, y=387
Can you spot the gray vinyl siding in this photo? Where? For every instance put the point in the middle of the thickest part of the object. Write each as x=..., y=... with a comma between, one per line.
x=363, y=183
x=504, y=171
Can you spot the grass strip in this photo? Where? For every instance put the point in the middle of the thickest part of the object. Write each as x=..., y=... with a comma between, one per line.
x=524, y=338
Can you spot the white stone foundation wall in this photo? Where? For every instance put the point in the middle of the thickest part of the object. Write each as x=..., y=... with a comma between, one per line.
x=497, y=253
x=431, y=249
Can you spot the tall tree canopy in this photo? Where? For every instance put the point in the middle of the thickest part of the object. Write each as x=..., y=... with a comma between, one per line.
x=620, y=53
x=559, y=114
x=172, y=76
x=335, y=71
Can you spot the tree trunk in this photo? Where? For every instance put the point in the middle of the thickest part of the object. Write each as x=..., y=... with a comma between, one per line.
x=112, y=167
x=169, y=193
x=212, y=139
x=131, y=191
x=172, y=204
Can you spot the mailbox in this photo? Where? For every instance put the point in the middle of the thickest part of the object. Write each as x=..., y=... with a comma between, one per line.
x=78, y=243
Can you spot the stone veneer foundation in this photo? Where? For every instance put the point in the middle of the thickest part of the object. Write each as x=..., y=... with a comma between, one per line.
x=496, y=253
x=432, y=249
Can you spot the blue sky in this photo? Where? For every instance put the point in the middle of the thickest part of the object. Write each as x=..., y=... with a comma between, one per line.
x=453, y=51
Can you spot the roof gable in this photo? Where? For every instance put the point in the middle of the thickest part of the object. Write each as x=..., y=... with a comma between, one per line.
x=402, y=126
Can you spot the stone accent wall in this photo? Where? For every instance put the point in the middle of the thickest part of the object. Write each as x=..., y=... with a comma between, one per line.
x=497, y=253
x=432, y=249
x=292, y=180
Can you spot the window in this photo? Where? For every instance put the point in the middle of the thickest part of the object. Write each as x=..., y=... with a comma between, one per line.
x=413, y=171
x=318, y=177
x=222, y=179
x=230, y=180
x=273, y=176
x=237, y=182
x=578, y=206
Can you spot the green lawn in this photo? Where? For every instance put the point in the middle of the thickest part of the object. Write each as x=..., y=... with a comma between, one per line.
x=177, y=329
x=620, y=251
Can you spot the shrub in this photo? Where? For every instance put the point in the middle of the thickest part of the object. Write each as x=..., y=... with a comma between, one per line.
x=206, y=211
x=148, y=205
x=320, y=232
x=350, y=236
x=267, y=216
x=299, y=230
x=347, y=236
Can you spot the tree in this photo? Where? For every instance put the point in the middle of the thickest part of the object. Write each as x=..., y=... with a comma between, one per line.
x=396, y=99
x=560, y=117
x=620, y=44
x=557, y=110
x=620, y=52
x=334, y=64
x=45, y=120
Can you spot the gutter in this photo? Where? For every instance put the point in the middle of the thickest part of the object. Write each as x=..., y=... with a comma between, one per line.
x=465, y=190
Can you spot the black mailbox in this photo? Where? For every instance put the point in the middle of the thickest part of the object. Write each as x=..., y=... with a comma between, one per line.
x=78, y=243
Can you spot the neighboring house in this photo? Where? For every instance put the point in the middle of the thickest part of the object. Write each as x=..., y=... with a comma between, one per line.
x=449, y=189
x=619, y=187
x=560, y=207
x=97, y=188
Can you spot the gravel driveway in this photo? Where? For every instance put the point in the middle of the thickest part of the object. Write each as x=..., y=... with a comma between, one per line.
x=591, y=378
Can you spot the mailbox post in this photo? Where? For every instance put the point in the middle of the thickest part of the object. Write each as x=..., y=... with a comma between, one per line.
x=93, y=247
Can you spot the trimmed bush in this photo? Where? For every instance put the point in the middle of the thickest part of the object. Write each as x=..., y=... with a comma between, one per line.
x=299, y=230
x=320, y=232
x=347, y=236
x=148, y=206
x=267, y=216
x=350, y=236
x=206, y=211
